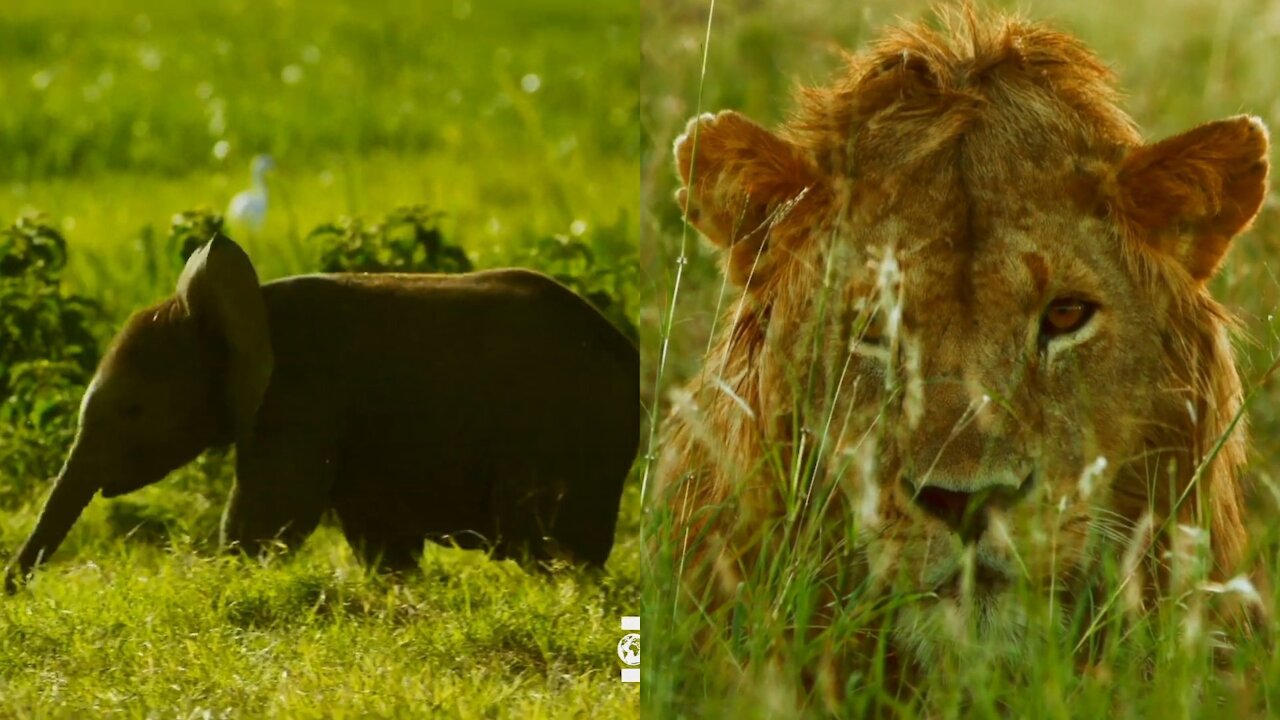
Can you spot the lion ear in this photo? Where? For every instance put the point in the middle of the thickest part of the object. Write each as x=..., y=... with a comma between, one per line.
x=1187, y=196
x=734, y=176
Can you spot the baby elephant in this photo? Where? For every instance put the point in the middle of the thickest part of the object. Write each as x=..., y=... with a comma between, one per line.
x=493, y=409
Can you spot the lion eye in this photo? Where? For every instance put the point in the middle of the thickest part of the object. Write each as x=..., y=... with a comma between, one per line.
x=1065, y=316
x=870, y=330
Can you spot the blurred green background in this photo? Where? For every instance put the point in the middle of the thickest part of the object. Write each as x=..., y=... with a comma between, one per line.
x=514, y=121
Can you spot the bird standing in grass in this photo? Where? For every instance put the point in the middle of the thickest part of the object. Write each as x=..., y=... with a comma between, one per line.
x=248, y=209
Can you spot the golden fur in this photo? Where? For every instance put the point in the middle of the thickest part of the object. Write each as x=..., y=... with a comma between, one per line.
x=897, y=242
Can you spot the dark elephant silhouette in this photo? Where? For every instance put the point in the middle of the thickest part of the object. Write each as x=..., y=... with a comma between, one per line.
x=492, y=409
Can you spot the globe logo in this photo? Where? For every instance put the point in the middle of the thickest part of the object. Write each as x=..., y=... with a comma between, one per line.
x=629, y=649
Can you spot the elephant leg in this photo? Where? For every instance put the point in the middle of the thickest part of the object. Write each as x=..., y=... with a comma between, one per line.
x=277, y=499
x=376, y=546
x=523, y=503
x=388, y=554
x=565, y=509
x=586, y=517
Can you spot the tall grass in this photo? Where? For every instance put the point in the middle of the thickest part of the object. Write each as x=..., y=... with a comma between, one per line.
x=776, y=649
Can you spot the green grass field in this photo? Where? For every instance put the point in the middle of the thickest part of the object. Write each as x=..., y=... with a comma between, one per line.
x=516, y=120
x=1179, y=64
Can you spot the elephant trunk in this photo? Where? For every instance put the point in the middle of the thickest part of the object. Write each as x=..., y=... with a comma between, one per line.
x=71, y=493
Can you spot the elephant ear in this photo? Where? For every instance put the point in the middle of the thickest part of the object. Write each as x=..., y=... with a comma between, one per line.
x=1187, y=196
x=220, y=290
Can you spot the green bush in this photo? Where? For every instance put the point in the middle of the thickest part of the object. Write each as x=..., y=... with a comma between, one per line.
x=611, y=286
x=48, y=351
x=408, y=240
x=37, y=319
x=190, y=229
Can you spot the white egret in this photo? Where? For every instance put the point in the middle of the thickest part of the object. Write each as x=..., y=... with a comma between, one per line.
x=248, y=209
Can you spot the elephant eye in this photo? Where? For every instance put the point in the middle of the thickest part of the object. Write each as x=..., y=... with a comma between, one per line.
x=1065, y=316
x=132, y=410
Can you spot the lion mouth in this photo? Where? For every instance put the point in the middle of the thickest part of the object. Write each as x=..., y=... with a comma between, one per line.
x=986, y=581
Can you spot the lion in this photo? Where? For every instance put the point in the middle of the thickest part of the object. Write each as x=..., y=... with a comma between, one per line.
x=973, y=347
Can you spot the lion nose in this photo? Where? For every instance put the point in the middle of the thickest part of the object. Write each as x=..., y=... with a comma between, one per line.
x=965, y=511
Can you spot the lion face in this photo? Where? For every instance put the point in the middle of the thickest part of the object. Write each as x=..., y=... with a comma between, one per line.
x=968, y=279
x=1028, y=369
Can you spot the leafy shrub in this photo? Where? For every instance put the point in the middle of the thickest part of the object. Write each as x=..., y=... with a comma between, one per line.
x=48, y=351
x=37, y=424
x=408, y=240
x=37, y=319
x=190, y=229
x=610, y=286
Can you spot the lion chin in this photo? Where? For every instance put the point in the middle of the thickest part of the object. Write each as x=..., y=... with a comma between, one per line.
x=983, y=627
